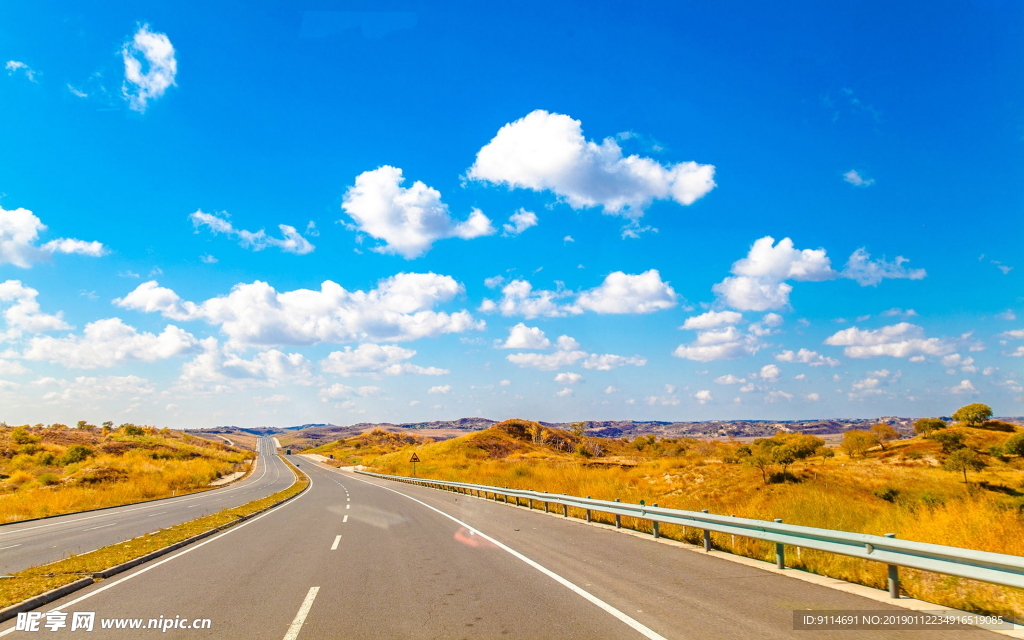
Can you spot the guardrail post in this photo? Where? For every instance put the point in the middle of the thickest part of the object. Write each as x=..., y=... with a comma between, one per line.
x=618, y=518
x=654, y=525
x=707, y=535
x=588, y=511
x=565, y=511
x=894, y=576
x=545, y=505
x=780, y=552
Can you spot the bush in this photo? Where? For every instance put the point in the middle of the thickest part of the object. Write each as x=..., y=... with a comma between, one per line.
x=950, y=440
x=75, y=453
x=856, y=442
x=22, y=436
x=1015, y=445
x=47, y=479
x=131, y=430
x=925, y=426
x=889, y=494
x=963, y=460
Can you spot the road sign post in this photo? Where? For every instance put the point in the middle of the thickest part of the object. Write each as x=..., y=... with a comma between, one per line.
x=414, y=459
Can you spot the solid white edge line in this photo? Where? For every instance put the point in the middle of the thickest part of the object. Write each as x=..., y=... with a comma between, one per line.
x=580, y=591
x=296, y=626
x=337, y=541
x=188, y=549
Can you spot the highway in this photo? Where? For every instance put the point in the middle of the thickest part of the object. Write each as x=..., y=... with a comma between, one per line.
x=365, y=558
x=36, y=542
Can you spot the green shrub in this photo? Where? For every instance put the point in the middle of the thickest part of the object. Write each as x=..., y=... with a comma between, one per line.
x=75, y=453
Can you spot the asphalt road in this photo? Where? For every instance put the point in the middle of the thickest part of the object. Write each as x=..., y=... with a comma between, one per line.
x=28, y=544
x=361, y=558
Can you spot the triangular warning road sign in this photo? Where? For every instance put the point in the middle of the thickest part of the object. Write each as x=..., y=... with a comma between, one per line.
x=414, y=458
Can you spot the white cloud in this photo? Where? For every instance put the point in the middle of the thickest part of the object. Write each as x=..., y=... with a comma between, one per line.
x=375, y=359
x=208, y=259
x=14, y=66
x=1019, y=352
x=524, y=337
x=719, y=344
x=624, y=293
x=569, y=353
x=440, y=389
x=712, y=319
x=729, y=379
x=896, y=311
x=78, y=93
x=505, y=383
x=759, y=281
x=11, y=368
x=568, y=378
x=806, y=356
x=547, y=152
x=903, y=340
x=564, y=393
x=770, y=372
x=339, y=391
x=519, y=222
x=965, y=387
x=19, y=233
x=290, y=242
x=864, y=271
x=610, y=389
x=94, y=389
x=408, y=220
x=267, y=368
x=108, y=342
x=1014, y=334
x=813, y=397
x=24, y=315
x=703, y=396
x=494, y=282
x=400, y=308
x=620, y=293
x=156, y=53
x=775, y=396
x=857, y=180
x=1006, y=315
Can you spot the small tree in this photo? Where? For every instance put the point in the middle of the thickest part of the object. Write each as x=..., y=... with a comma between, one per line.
x=973, y=415
x=950, y=440
x=963, y=460
x=884, y=433
x=75, y=453
x=108, y=425
x=1015, y=445
x=82, y=424
x=856, y=442
x=20, y=435
x=925, y=426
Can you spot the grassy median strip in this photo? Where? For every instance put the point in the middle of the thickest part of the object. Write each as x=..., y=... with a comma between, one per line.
x=36, y=580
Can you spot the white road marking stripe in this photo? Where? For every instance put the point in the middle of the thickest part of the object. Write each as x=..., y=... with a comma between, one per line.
x=337, y=541
x=644, y=630
x=345, y=519
x=300, y=617
x=19, y=544
x=156, y=514
x=100, y=527
x=348, y=506
x=188, y=549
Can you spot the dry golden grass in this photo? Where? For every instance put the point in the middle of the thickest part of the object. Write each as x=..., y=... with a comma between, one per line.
x=31, y=582
x=41, y=475
x=901, y=490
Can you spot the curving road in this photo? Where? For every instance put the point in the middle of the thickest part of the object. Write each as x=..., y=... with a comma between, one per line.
x=36, y=542
x=364, y=558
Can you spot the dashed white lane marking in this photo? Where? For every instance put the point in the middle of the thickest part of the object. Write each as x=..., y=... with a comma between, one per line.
x=348, y=506
x=156, y=514
x=337, y=541
x=18, y=545
x=300, y=617
x=100, y=527
x=636, y=625
x=345, y=519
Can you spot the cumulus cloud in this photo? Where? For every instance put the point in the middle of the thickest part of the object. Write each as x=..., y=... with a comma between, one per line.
x=568, y=378
x=290, y=242
x=568, y=353
x=703, y=396
x=564, y=393
x=964, y=388
x=729, y=379
x=712, y=319
x=108, y=342
x=408, y=220
x=806, y=356
x=623, y=293
x=400, y=308
x=896, y=311
x=519, y=222
x=15, y=66
x=89, y=388
x=19, y=235
x=770, y=372
x=853, y=177
x=760, y=280
x=610, y=389
x=547, y=152
x=903, y=340
x=216, y=364
x=524, y=337
x=440, y=389
x=719, y=344
x=149, y=67
x=376, y=359
x=24, y=314
x=620, y=293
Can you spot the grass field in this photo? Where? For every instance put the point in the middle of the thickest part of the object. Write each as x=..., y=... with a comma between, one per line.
x=902, y=489
x=48, y=471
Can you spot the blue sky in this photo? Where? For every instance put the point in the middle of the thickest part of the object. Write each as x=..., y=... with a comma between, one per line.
x=263, y=215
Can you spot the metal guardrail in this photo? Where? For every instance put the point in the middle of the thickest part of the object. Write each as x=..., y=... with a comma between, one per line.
x=996, y=568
